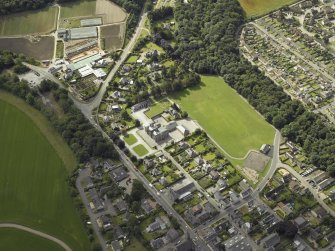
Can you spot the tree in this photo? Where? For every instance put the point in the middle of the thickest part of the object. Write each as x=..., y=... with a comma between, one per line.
x=287, y=228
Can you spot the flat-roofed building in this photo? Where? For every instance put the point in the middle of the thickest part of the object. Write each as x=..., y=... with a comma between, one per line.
x=84, y=32
x=90, y=22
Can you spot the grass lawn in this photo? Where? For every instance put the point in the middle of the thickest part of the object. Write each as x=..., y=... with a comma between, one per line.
x=158, y=108
x=132, y=59
x=33, y=175
x=78, y=9
x=140, y=150
x=130, y=139
x=261, y=7
x=29, y=22
x=226, y=116
x=135, y=245
x=16, y=240
x=151, y=46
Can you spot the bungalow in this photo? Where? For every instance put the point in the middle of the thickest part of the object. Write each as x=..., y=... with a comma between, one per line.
x=326, y=183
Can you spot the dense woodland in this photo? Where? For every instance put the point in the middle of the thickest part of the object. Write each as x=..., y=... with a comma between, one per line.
x=207, y=41
x=82, y=137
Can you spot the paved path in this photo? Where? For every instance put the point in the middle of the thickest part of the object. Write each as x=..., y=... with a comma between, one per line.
x=36, y=232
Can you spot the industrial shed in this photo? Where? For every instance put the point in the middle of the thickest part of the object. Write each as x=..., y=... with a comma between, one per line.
x=85, y=32
x=90, y=22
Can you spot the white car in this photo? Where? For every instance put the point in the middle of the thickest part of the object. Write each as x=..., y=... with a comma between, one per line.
x=150, y=185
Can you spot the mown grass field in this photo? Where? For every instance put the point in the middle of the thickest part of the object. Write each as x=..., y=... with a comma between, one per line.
x=29, y=22
x=255, y=8
x=130, y=139
x=225, y=116
x=33, y=184
x=140, y=150
x=16, y=240
x=78, y=9
x=158, y=108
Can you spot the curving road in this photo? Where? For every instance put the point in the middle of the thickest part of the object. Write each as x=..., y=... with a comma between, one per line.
x=36, y=232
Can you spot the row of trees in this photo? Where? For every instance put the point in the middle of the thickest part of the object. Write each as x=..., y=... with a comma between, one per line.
x=82, y=137
x=12, y=6
x=134, y=8
x=208, y=42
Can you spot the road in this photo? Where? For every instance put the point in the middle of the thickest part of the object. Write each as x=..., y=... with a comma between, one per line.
x=274, y=163
x=92, y=216
x=36, y=232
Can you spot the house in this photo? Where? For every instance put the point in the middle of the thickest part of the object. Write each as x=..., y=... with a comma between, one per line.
x=300, y=222
x=270, y=241
x=322, y=176
x=246, y=193
x=172, y=235
x=191, y=153
x=319, y=212
x=233, y=197
x=292, y=147
x=331, y=196
x=182, y=191
x=285, y=208
x=265, y=149
x=294, y=185
x=221, y=184
x=208, y=233
x=155, y=172
x=237, y=243
x=184, y=131
x=149, y=163
x=116, y=246
x=330, y=237
x=118, y=174
x=121, y=205
x=315, y=233
x=148, y=206
x=157, y=132
x=95, y=204
x=104, y=222
x=215, y=175
x=158, y=224
x=157, y=243
x=197, y=209
x=140, y=106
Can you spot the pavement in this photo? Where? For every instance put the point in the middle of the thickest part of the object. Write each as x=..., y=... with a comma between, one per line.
x=38, y=233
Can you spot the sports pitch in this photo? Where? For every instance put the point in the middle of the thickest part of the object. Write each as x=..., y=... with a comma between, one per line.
x=29, y=22
x=255, y=8
x=33, y=184
x=225, y=116
x=16, y=240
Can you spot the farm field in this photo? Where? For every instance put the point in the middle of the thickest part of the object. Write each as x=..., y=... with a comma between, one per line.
x=33, y=185
x=113, y=36
x=29, y=22
x=260, y=7
x=225, y=116
x=111, y=12
x=78, y=9
x=16, y=240
x=41, y=50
